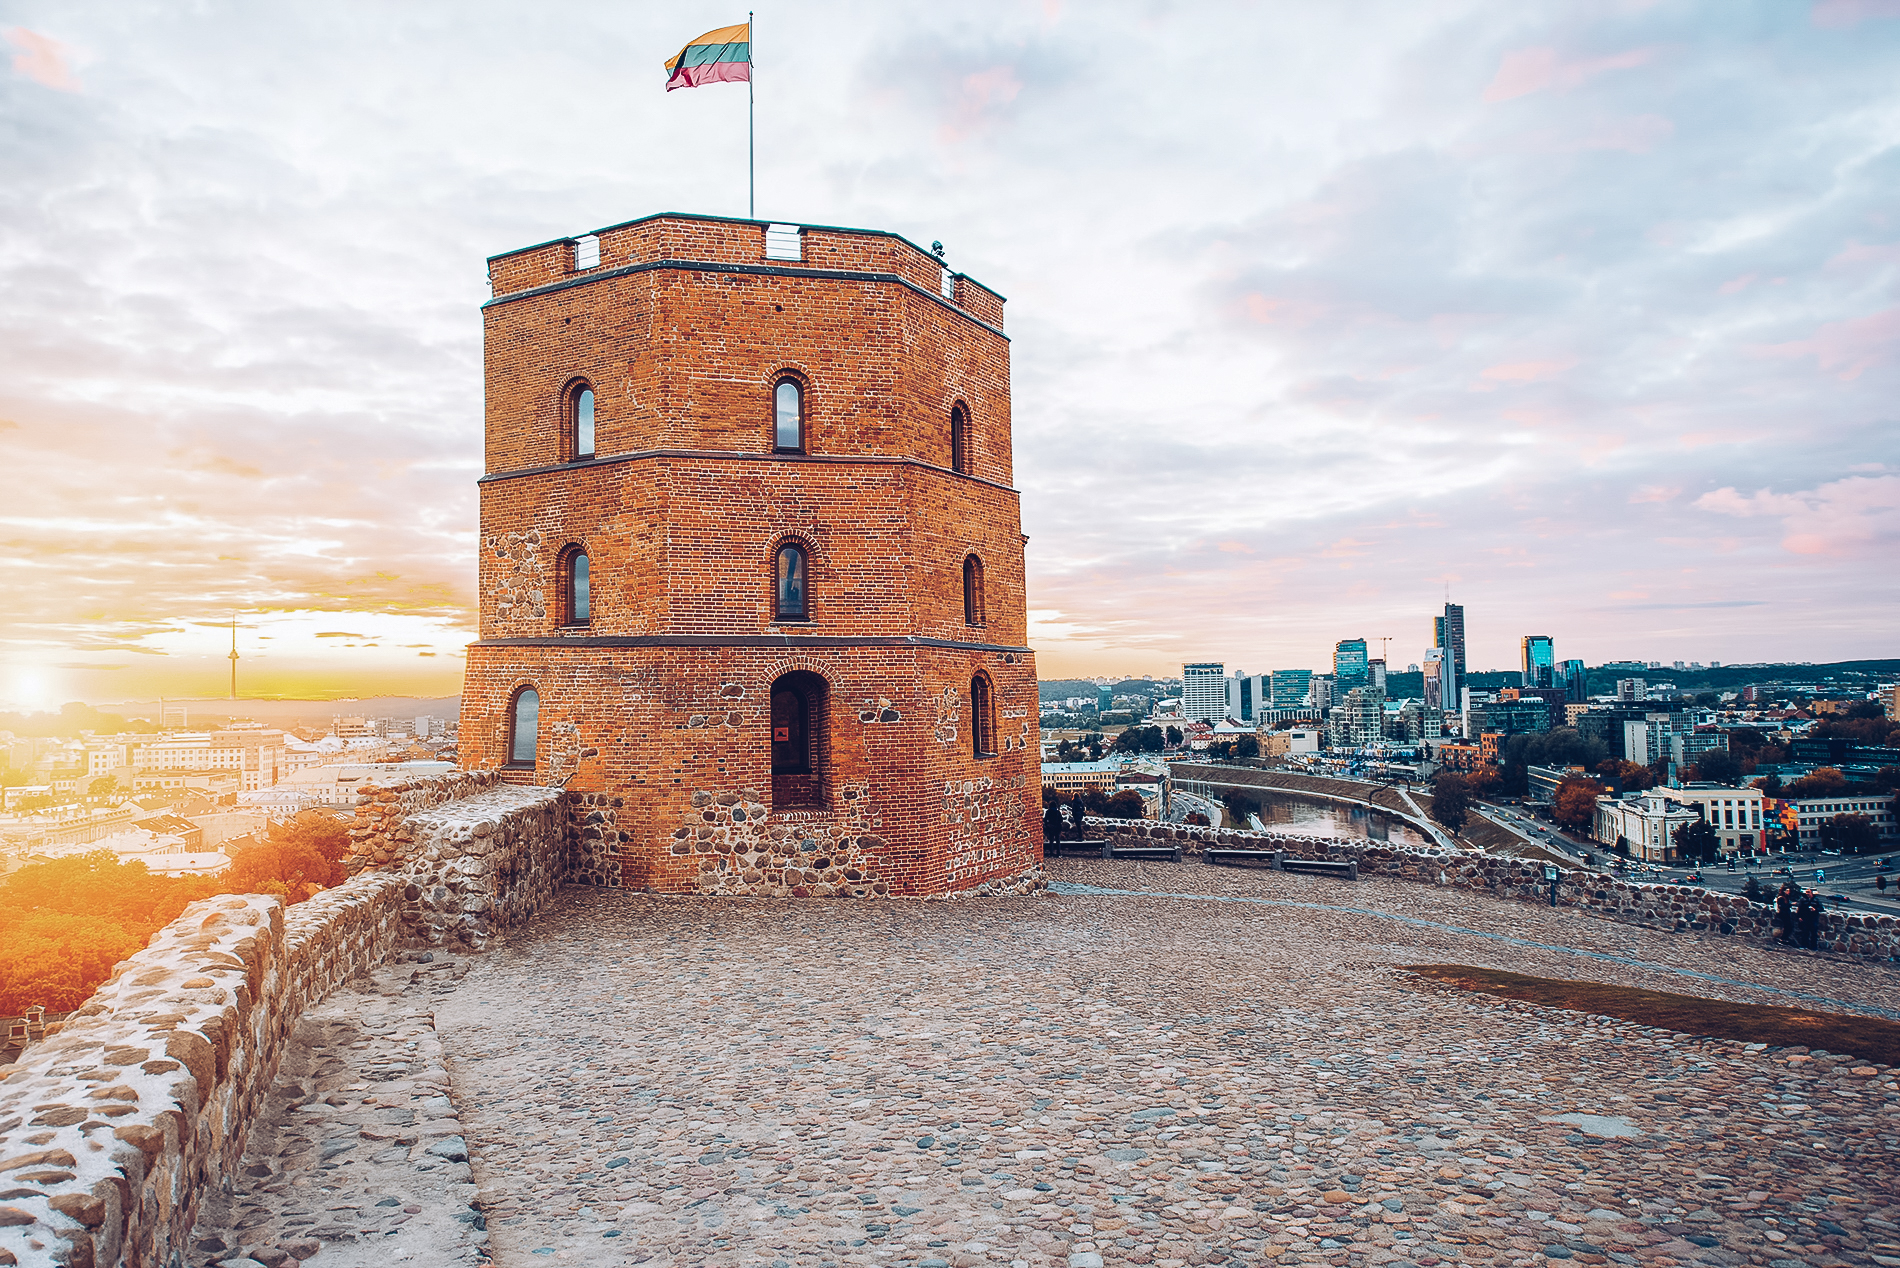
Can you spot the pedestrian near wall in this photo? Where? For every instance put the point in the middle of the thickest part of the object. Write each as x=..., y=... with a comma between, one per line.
x=1809, y=911
x=1051, y=828
x=1784, y=913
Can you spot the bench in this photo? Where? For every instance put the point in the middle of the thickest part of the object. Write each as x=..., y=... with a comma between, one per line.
x=1172, y=853
x=1272, y=858
x=1346, y=868
x=1054, y=849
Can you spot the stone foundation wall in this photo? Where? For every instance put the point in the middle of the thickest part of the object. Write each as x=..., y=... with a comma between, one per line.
x=111, y=1129
x=477, y=855
x=1678, y=907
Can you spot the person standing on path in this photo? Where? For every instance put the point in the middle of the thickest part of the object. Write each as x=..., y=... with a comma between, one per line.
x=1810, y=913
x=1784, y=913
x=1052, y=829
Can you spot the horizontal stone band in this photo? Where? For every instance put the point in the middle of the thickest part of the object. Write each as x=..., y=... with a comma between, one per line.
x=740, y=455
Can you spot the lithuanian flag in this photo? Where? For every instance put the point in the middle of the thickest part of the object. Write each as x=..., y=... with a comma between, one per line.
x=717, y=57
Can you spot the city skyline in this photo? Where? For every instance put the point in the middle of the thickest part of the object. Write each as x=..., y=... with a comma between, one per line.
x=1587, y=314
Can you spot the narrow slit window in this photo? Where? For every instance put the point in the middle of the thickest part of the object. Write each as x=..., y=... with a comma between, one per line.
x=982, y=718
x=788, y=410
x=524, y=723
x=584, y=423
x=960, y=441
x=791, y=584
x=972, y=591
x=579, y=589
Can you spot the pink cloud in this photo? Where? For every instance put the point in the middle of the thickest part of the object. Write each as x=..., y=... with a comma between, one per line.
x=1530, y=70
x=1841, y=13
x=981, y=93
x=1527, y=371
x=42, y=59
x=1848, y=348
x=1655, y=493
x=1840, y=518
x=1736, y=285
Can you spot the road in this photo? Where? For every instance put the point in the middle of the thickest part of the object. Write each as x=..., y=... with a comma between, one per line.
x=1854, y=877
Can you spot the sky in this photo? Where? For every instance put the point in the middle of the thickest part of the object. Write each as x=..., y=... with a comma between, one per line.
x=1586, y=315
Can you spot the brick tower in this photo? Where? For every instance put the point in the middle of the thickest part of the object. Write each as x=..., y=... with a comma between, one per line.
x=751, y=564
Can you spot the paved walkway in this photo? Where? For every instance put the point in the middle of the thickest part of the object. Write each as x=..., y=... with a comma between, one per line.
x=357, y=1159
x=1145, y=1076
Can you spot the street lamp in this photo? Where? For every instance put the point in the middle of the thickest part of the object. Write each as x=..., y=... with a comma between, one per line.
x=1550, y=874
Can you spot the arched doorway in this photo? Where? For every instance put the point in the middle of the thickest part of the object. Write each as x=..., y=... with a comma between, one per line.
x=798, y=741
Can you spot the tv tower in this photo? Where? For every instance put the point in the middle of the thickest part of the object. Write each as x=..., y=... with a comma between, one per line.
x=234, y=656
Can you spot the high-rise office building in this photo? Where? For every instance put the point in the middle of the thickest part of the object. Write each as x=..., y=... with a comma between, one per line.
x=1290, y=687
x=1540, y=661
x=1448, y=632
x=1204, y=691
x=1349, y=663
x=1576, y=681
x=1375, y=673
x=1246, y=696
x=1439, y=693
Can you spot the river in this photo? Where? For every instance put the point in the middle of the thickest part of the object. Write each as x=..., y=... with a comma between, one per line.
x=1284, y=813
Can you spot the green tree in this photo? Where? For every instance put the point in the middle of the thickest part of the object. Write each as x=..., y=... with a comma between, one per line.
x=1697, y=842
x=1851, y=834
x=104, y=786
x=1451, y=800
x=1174, y=737
x=1247, y=746
x=1718, y=766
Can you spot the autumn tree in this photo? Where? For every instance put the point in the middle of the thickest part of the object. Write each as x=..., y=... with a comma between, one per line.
x=1451, y=800
x=1627, y=776
x=1825, y=782
x=1718, y=766
x=1574, y=805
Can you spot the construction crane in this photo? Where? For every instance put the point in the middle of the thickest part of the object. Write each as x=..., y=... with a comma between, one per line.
x=1385, y=647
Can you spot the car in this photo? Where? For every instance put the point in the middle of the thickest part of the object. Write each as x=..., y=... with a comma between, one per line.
x=1693, y=876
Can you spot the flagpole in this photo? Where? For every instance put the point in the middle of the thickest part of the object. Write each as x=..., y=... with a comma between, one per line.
x=751, y=148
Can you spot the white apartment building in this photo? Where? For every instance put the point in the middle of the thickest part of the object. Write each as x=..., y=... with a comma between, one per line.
x=257, y=755
x=1812, y=812
x=1646, y=821
x=1204, y=691
x=1734, y=813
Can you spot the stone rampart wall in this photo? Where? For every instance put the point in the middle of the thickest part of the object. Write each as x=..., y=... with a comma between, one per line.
x=1678, y=907
x=111, y=1129
x=477, y=856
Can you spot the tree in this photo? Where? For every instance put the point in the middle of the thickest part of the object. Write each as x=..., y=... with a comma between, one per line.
x=1751, y=890
x=1627, y=776
x=1240, y=805
x=1174, y=737
x=1451, y=800
x=1770, y=785
x=1718, y=766
x=1196, y=819
x=1697, y=841
x=1575, y=803
x=1850, y=834
x=1247, y=746
x=104, y=786
x=1483, y=782
x=1828, y=781
x=1887, y=778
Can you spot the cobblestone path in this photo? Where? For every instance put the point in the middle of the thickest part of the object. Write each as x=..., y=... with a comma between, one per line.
x=1099, y=1079
x=358, y=1157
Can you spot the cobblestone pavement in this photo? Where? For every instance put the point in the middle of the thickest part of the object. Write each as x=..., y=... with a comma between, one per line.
x=1097, y=1079
x=358, y=1157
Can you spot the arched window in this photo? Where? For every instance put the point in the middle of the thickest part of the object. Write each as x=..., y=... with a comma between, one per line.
x=960, y=439
x=576, y=589
x=524, y=723
x=798, y=724
x=582, y=421
x=789, y=597
x=788, y=417
x=982, y=717
x=972, y=591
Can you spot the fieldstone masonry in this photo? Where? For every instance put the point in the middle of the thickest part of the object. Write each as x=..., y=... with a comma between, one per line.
x=112, y=1130
x=1677, y=907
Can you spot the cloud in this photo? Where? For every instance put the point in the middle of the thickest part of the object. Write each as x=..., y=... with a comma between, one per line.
x=339, y=634
x=42, y=59
x=1848, y=348
x=1530, y=70
x=1836, y=14
x=1859, y=515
